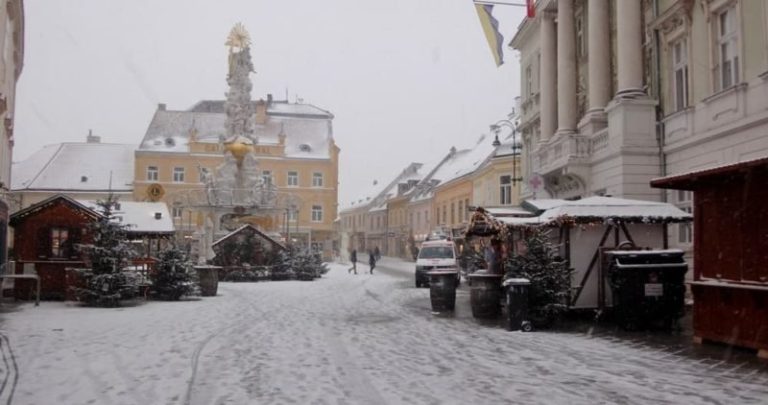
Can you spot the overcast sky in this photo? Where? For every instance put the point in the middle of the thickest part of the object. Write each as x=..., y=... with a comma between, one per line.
x=405, y=79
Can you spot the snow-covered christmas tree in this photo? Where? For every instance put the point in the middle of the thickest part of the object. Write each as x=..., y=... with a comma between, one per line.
x=171, y=278
x=108, y=254
x=549, y=276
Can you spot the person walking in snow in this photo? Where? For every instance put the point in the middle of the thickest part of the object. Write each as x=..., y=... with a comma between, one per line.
x=371, y=260
x=377, y=253
x=353, y=259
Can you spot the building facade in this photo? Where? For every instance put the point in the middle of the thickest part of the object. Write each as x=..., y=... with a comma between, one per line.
x=295, y=151
x=616, y=93
x=11, y=63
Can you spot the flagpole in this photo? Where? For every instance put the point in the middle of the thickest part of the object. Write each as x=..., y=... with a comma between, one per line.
x=499, y=3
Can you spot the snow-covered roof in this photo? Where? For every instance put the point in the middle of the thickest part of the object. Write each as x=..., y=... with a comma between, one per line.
x=465, y=161
x=253, y=229
x=308, y=129
x=378, y=193
x=601, y=209
x=507, y=211
x=76, y=166
x=141, y=217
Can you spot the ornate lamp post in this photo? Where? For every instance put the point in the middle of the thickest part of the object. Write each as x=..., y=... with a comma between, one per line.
x=516, y=147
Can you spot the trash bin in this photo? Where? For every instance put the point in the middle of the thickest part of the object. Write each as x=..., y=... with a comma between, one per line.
x=485, y=294
x=209, y=280
x=648, y=287
x=442, y=289
x=517, y=304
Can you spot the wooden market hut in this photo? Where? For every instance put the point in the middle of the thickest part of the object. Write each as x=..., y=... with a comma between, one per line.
x=45, y=235
x=583, y=230
x=730, y=250
x=246, y=244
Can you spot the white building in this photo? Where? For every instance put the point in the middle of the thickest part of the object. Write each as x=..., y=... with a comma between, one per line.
x=618, y=92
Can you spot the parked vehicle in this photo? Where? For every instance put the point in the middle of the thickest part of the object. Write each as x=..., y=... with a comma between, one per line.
x=434, y=255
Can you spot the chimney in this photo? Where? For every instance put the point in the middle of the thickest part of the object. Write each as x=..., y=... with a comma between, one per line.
x=261, y=112
x=161, y=106
x=91, y=138
x=158, y=215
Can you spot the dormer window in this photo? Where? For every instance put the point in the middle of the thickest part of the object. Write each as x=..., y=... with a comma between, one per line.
x=305, y=148
x=169, y=142
x=83, y=179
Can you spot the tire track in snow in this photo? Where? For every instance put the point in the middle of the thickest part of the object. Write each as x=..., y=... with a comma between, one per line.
x=11, y=369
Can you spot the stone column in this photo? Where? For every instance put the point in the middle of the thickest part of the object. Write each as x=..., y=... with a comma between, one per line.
x=548, y=76
x=599, y=55
x=566, y=68
x=629, y=48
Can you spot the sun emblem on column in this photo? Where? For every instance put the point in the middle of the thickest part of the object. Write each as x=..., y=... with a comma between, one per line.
x=238, y=37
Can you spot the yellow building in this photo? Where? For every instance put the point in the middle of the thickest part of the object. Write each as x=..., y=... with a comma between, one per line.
x=294, y=148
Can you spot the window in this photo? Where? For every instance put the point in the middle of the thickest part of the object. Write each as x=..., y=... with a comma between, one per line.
x=317, y=179
x=178, y=174
x=204, y=174
x=727, y=64
x=461, y=210
x=445, y=214
x=581, y=43
x=505, y=190
x=176, y=212
x=680, y=73
x=466, y=211
x=418, y=218
x=426, y=217
x=293, y=179
x=528, y=81
x=685, y=203
x=266, y=177
x=317, y=213
x=59, y=242
x=152, y=173
x=293, y=215
x=453, y=213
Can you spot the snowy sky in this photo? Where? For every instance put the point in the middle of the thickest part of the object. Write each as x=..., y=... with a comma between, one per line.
x=406, y=79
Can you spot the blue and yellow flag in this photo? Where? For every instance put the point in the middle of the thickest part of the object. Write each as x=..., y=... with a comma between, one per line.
x=491, y=29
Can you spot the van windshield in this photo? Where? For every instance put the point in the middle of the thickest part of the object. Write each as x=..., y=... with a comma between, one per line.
x=436, y=252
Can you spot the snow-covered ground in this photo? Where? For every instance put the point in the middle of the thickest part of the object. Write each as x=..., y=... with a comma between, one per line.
x=343, y=339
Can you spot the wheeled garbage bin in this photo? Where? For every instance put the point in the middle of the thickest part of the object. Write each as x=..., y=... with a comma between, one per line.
x=517, y=304
x=442, y=289
x=648, y=287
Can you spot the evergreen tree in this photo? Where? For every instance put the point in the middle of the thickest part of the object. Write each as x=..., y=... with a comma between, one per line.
x=171, y=278
x=110, y=252
x=550, y=278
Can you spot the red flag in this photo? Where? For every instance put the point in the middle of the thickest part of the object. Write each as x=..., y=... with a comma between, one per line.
x=530, y=7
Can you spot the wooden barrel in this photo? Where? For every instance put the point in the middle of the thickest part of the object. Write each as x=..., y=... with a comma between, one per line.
x=485, y=295
x=442, y=290
x=208, y=277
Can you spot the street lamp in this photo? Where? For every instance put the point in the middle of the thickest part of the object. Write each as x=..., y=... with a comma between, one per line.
x=516, y=147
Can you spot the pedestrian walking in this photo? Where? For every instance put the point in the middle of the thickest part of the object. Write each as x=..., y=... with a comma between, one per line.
x=377, y=253
x=353, y=259
x=371, y=260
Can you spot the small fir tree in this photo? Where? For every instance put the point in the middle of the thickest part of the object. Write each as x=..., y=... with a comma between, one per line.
x=549, y=276
x=109, y=254
x=171, y=278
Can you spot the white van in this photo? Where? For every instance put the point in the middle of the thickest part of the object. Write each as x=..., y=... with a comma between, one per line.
x=434, y=255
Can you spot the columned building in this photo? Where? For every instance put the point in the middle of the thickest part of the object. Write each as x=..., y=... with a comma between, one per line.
x=616, y=93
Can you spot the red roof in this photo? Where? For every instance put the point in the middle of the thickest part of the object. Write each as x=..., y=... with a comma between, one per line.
x=694, y=180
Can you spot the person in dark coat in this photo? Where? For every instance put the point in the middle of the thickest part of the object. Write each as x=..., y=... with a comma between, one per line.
x=353, y=259
x=371, y=260
x=377, y=253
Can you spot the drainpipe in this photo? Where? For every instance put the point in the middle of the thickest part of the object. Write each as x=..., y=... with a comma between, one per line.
x=660, y=138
